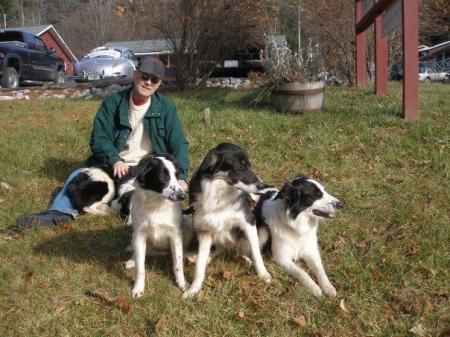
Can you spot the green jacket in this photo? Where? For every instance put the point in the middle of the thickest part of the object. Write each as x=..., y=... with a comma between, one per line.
x=112, y=129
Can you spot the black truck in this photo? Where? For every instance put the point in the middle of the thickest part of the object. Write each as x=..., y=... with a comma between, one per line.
x=25, y=58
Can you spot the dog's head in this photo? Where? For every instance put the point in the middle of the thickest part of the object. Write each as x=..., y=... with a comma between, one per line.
x=303, y=194
x=232, y=164
x=159, y=174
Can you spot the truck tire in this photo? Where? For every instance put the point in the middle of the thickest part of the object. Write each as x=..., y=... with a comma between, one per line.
x=10, y=78
x=427, y=80
x=59, y=77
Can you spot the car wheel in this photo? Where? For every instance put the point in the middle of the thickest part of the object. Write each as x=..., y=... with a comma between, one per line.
x=428, y=80
x=59, y=78
x=10, y=78
x=447, y=79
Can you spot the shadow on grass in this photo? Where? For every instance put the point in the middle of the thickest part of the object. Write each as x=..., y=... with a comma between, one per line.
x=231, y=98
x=105, y=247
x=60, y=169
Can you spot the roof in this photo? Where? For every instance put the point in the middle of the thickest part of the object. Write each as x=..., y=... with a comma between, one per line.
x=39, y=30
x=144, y=47
x=434, y=49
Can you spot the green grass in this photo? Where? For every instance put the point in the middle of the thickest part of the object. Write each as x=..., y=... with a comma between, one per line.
x=387, y=253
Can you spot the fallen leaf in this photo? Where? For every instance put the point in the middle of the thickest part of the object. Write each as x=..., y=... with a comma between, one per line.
x=162, y=321
x=389, y=313
x=342, y=305
x=300, y=321
x=315, y=174
x=420, y=330
x=29, y=276
x=413, y=250
x=226, y=274
x=2, y=200
x=102, y=295
x=123, y=304
x=240, y=314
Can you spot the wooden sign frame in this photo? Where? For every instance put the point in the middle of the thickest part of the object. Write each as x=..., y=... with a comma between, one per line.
x=410, y=30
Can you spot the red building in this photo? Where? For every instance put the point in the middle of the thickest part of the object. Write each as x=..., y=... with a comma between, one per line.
x=52, y=39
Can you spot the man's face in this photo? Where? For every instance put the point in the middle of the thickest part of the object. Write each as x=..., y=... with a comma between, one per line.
x=145, y=85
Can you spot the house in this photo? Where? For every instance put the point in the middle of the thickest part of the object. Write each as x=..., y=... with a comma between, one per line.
x=52, y=39
x=437, y=56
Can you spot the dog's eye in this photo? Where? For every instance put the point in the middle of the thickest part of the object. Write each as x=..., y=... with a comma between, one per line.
x=164, y=176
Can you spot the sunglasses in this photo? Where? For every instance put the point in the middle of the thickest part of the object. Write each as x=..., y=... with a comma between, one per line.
x=147, y=77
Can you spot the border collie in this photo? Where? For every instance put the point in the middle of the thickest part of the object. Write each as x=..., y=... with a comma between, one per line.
x=92, y=191
x=95, y=190
x=156, y=217
x=293, y=215
x=219, y=194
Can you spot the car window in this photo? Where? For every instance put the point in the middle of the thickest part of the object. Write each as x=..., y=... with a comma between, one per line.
x=40, y=45
x=10, y=36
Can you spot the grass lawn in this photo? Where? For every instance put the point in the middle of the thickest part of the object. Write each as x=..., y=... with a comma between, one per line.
x=387, y=253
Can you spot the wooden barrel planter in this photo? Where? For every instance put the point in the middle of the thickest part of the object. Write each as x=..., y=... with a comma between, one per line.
x=298, y=97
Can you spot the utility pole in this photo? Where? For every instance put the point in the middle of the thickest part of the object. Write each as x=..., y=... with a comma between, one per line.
x=4, y=19
x=299, y=9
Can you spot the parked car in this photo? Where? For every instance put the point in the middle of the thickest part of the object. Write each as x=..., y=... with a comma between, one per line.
x=105, y=63
x=25, y=58
x=428, y=75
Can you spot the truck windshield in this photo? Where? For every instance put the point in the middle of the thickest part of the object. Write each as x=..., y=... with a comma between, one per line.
x=10, y=36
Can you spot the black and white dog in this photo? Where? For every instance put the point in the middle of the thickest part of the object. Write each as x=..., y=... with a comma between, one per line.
x=293, y=215
x=219, y=194
x=156, y=217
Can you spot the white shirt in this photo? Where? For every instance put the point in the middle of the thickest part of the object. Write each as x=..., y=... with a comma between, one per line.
x=138, y=143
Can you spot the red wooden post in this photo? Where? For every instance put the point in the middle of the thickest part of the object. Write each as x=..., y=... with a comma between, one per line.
x=361, y=49
x=381, y=59
x=410, y=12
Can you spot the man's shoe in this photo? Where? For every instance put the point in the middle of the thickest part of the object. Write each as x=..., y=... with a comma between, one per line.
x=48, y=218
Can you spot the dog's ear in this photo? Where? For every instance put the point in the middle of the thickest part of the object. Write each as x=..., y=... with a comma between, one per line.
x=211, y=162
x=142, y=165
x=294, y=197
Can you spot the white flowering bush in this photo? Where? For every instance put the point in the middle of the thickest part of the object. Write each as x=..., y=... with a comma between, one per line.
x=282, y=65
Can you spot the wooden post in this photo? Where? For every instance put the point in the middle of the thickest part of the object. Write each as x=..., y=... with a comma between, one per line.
x=381, y=59
x=410, y=12
x=361, y=49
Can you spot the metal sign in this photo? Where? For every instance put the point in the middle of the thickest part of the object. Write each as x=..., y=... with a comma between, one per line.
x=392, y=18
x=366, y=5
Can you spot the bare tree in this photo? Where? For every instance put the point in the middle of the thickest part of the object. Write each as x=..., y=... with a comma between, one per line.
x=206, y=32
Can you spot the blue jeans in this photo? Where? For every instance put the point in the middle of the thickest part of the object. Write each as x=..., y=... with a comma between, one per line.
x=62, y=203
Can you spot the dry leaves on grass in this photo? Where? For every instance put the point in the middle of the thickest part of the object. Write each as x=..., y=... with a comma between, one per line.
x=160, y=325
x=315, y=174
x=120, y=301
x=342, y=305
x=420, y=330
x=299, y=321
x=239, y=314
x=29, y=276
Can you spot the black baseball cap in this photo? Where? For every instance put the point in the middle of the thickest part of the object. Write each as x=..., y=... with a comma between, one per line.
x=152, y=66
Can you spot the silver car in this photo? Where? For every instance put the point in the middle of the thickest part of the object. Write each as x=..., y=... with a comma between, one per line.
x=106, y=63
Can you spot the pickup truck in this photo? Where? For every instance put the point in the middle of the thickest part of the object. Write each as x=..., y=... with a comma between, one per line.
x=25, y=58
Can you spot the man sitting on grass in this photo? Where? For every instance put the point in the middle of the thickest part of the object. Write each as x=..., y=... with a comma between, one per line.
x=127, y=126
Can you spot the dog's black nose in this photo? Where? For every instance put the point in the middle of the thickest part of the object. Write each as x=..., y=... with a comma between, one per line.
x=181, y=195
x=337, y=204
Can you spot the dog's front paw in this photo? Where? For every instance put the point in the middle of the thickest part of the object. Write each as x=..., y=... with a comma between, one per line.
x=190, y=293
x=329, y=290
x=130, y=264
x=183, y=285
x=315, y=290
x=137, y=291
x=266, y=277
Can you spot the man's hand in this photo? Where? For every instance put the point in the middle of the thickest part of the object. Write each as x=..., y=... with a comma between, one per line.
x=120, y=169
x=183, y=185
